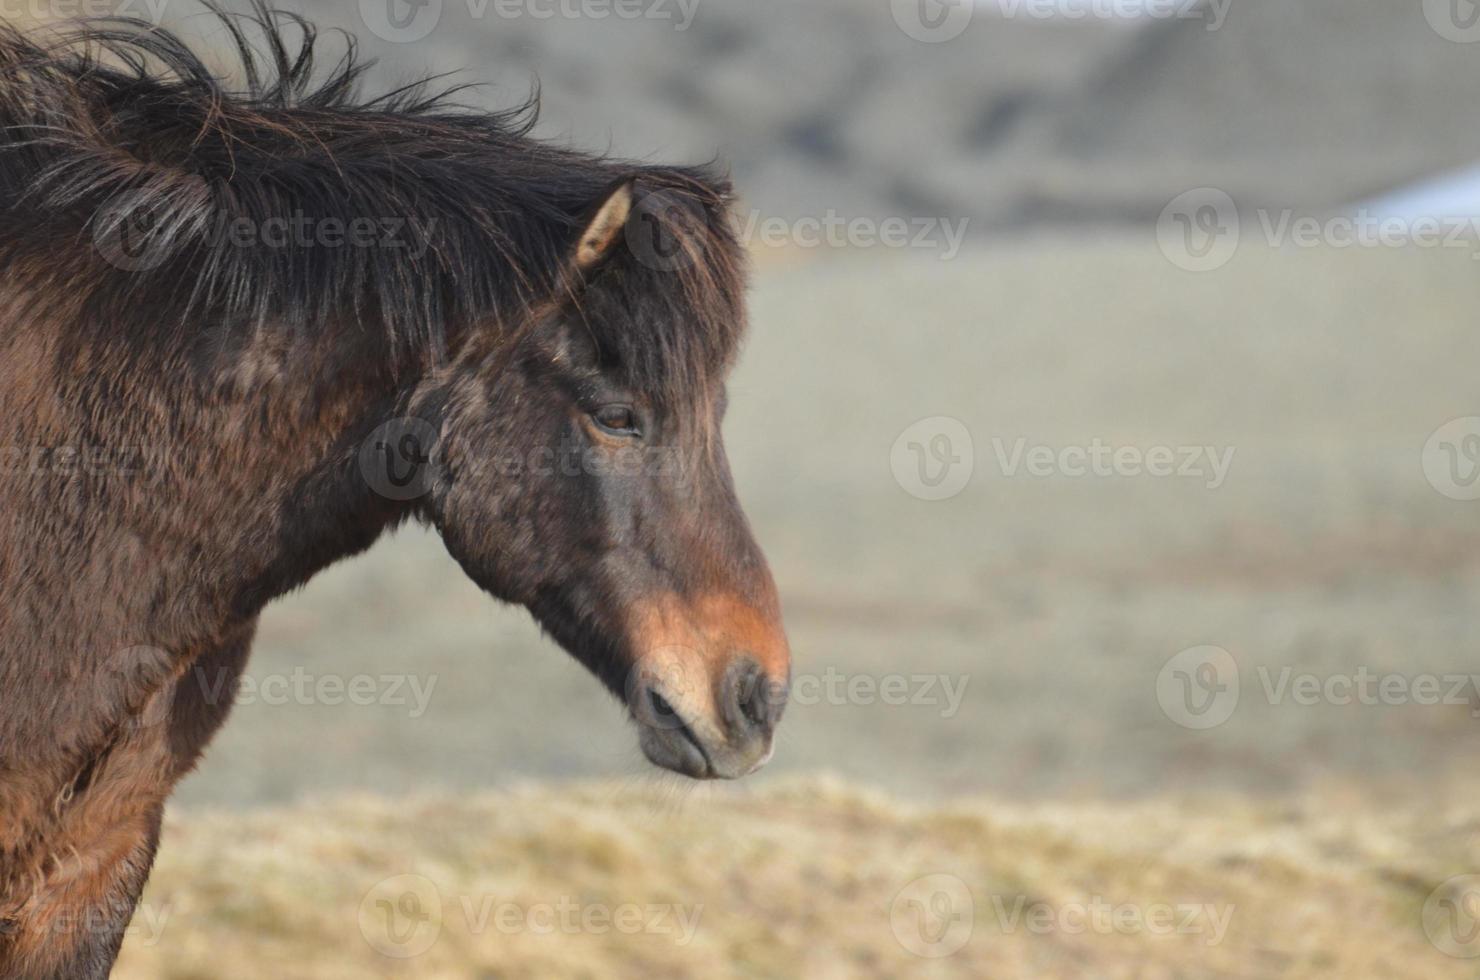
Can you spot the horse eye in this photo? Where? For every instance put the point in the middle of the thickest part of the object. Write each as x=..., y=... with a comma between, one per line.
x=618, y=419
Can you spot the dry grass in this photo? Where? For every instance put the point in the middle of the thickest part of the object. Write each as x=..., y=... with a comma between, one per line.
x=797, y=880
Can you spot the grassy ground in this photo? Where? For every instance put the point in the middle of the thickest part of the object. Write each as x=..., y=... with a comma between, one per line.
x=805, y=878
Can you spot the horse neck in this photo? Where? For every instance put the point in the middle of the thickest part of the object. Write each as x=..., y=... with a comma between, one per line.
x=172, y=501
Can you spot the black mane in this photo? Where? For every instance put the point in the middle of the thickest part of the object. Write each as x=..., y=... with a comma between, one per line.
x=116, y=127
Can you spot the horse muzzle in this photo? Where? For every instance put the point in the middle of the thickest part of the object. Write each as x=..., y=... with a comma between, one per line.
x=720, y=730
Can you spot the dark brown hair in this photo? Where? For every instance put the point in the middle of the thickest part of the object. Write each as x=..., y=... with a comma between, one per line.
x=115, y=119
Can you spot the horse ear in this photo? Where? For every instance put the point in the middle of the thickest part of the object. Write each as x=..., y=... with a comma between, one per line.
x=605, y=227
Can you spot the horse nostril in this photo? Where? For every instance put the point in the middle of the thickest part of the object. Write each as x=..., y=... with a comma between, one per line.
x=749, y=703
x=662, y=710
x=753, y=705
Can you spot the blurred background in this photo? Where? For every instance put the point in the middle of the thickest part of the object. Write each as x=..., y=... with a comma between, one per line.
x=1109, y=421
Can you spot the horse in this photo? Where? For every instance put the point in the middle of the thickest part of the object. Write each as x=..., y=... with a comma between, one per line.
x=248, y=325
